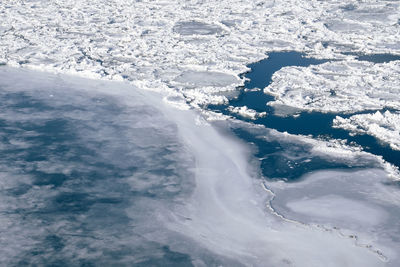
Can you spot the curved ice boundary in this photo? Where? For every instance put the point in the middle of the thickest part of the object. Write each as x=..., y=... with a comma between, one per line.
x=385, y=126
x=227, y=211
x=251, y=103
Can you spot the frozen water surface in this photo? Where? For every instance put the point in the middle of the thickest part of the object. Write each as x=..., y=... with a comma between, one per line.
x=253, y=104
x=203, y=78
x=95, y=173
x=196, y=27
x=100, y=173
x=358, y=201
x=382, y=125
x=152, y=42
x=83, y=172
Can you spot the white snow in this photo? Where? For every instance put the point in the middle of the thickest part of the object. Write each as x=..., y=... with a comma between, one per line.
x=203, y=78
x=384, y=126
x=246, y=112
x=150, y=43
x=338, y=86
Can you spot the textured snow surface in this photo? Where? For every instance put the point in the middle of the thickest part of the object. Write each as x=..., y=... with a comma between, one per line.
x=338, y=86
x=153, y=42
x=384, y=126
x=247, y=112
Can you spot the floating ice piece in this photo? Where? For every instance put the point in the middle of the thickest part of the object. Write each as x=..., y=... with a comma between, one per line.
x=345, y=86
x=384, y=126
x=247, y=112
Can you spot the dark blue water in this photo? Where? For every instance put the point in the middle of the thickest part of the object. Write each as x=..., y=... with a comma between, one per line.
x=289, y=160
x=375, y=58
x=262, y=71
x=307, y=123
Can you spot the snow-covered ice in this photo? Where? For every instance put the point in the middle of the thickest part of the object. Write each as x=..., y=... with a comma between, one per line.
x=167, y=182
x=358, y=204
x=385, y=126
x=226, y=212
x=210, y=207
x=247, y=112
x=151, y=43
x=338, y=86
x=196, y=28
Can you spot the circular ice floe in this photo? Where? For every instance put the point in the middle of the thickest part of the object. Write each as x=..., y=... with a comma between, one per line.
x=196, y=27
x=206, y=78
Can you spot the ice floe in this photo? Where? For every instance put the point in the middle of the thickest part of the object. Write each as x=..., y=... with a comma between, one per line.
x=385, y=126
x=337, y=86
x=247, y=112
x=196, y=27
x=199, y=79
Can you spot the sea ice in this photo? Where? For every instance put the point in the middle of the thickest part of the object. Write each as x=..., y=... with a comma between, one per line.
x=203, y=78
x=247, y=112
x=112, y=173
x=226, y=212
x=163, y=46
x=357, y=203
x=85, y=169
x=196, y=27
x=150, y=43
x=385, y=126
x=337, y=86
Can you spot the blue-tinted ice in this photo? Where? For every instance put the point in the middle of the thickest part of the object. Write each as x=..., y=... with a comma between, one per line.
x=98, y=173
